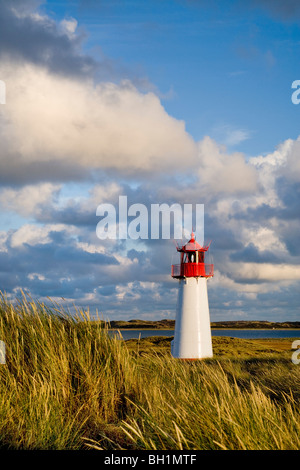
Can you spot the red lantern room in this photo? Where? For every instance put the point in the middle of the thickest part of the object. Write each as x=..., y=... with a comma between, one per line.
x=192, y=263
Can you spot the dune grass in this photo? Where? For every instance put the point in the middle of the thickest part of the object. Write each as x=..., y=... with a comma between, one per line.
x=67, y=384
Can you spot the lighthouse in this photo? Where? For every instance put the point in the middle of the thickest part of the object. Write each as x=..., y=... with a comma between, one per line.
x=192, y=338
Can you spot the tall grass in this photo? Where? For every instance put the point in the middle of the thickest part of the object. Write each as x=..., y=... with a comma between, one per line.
x=67, y=384
x=63, y=376
x=205, y=406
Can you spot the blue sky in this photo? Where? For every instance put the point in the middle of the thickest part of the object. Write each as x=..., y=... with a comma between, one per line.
x=221, y=68
x=172, y=101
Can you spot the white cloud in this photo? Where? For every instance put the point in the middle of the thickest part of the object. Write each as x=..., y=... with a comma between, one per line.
x=27, y=201
x=33, y=276
x=267, y=271
x=69, y=25
x=246, y=290
x=33, y=234
x=224, y=172
x=58, y=120
x=229, y=135
x=264, y=238
x=269, y=168
x=90, y=247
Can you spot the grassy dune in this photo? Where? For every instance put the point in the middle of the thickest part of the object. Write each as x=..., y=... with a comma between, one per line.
x=223, y=347
x=67, y=385
x=170, y=325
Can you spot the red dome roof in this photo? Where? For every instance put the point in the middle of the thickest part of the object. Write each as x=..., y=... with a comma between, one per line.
x=192, y=245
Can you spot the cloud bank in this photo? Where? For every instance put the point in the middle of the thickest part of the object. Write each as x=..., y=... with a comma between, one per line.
x=71, y=140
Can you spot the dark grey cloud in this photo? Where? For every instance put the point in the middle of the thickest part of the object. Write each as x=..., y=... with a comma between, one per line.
x=62, y=269
x=57, y=269
x=251, y=254
x=71, y=215
x=291, y=237
x=74, y=273
x=14, y=171
x=61, y=256
x=44, y=42
x=223, y=237
x=24, y=38
x=289, y=194
x=107, y=290
x=143, y=288
x=224, y=305
x=283, y=9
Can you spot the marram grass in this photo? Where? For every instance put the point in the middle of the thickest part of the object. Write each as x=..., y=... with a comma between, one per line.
x=67, y=384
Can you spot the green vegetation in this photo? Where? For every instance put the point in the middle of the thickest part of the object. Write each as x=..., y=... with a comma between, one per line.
x=67, y=384
x=170, y=325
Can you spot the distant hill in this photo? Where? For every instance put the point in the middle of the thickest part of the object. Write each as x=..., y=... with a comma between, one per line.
x=170, y=324
x=258, y=324
x=144, y=324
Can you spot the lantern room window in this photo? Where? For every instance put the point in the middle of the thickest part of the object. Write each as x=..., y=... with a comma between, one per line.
x=192, y=261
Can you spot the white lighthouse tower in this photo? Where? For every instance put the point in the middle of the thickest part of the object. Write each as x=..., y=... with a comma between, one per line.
x=192, y=338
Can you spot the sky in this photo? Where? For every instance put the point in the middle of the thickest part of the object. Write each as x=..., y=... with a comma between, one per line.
x=163, y=102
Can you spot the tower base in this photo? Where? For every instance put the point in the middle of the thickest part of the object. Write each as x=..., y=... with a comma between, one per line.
x=192, y=338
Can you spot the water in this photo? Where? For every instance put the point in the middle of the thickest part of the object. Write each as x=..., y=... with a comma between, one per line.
x=256, y=334
x=135, y=334
x=248, y=334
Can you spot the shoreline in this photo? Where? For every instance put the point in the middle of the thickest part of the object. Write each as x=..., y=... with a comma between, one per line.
x=164, y=324
x=212, y=329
